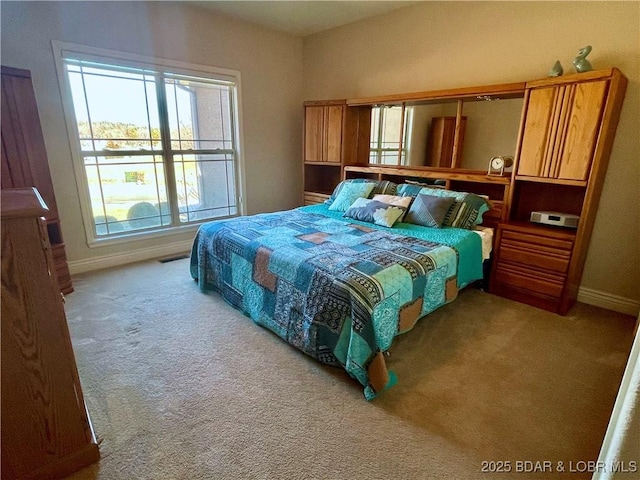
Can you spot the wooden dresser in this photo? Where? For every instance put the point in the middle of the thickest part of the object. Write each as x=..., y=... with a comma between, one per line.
x=24, y=158
x=46, y=431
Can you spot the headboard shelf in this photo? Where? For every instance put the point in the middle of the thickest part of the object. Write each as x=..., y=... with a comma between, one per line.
x=495, y=187
x=474, y=176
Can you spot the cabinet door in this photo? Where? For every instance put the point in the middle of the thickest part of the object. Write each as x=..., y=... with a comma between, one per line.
x=561, y=130
x=24, y=157
x=582, y=130
x=313, y=133
x=333, y=132
x=537, y=129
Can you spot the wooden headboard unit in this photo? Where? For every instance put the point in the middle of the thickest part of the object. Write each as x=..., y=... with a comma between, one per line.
x=565, y=136
x=495, y=187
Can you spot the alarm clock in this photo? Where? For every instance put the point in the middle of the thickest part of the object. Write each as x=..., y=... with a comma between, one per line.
x=498, y=164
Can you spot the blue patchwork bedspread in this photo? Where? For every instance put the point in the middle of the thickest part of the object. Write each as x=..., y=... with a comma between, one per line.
x=338, y=289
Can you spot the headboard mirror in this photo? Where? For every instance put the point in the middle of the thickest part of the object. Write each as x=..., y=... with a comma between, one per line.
x=423, y=134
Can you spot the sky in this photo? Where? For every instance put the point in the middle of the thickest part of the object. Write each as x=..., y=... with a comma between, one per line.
x=123, y=97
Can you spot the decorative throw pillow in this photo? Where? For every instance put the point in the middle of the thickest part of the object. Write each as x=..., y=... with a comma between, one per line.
x=384, y=187
x=373, y=211
x=411, y=189
x=380, y=186
x=428, y=210
x=394, y=200
x=432, y=183
x=465, y=212
x=408, y=190
x=349, y=193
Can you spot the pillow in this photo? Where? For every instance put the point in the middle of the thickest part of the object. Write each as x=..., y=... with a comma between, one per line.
x=435, y=183
x=336, y=190
x=349, y=193
x=428, y=210
x=414, y=182
x=374, y=211
x=393, y=200
x=466, y=211
x=381, y=186
x=384, y=187
x=408, y=190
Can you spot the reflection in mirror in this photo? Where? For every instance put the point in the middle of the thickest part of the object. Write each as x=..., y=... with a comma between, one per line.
x=492, y=130
x=488, y=129
x=426, y=144
x=387, y=145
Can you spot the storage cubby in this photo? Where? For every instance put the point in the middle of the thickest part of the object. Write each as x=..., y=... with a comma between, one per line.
x=491, y=190
x=538, y=196
x=321, y=178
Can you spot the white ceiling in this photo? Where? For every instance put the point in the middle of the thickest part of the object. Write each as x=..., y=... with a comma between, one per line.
x=301, y=17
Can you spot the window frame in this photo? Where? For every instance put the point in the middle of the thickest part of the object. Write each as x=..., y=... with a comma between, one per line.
x=401, y=151
x=62, y=50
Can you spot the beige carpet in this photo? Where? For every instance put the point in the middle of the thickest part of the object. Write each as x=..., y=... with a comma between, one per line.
x=181, y=386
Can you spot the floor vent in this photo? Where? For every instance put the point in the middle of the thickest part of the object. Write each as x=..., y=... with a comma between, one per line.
x=171, y=259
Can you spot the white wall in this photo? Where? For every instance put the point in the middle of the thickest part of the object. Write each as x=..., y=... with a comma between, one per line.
x=270, y=65
x=437, y=45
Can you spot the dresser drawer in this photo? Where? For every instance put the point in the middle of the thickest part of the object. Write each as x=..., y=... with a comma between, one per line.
x=538, y=256
x=562, y=244
x=536, y=281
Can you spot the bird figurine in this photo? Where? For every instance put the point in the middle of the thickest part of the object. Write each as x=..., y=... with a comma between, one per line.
x=556, y=70
x=581, y=63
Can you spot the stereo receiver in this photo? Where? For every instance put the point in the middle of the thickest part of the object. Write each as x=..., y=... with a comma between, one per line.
x=556, y=218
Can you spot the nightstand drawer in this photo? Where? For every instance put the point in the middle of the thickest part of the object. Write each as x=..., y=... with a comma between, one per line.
x=535, y=281
x=533, y=239
x=538, y=256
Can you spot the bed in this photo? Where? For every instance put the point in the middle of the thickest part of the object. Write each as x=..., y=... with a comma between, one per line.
x=338, y=287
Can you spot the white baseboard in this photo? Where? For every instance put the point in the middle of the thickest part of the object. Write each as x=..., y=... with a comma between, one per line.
x=608, y=301
x=114, y=260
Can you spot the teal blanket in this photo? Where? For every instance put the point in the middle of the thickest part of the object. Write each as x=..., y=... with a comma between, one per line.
x=467, y=244
x=337, y=289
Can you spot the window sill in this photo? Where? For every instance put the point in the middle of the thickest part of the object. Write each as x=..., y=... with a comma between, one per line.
x=145, y=235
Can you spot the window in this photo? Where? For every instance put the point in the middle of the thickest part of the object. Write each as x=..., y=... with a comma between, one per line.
x=157, y=146
x=388, y=134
